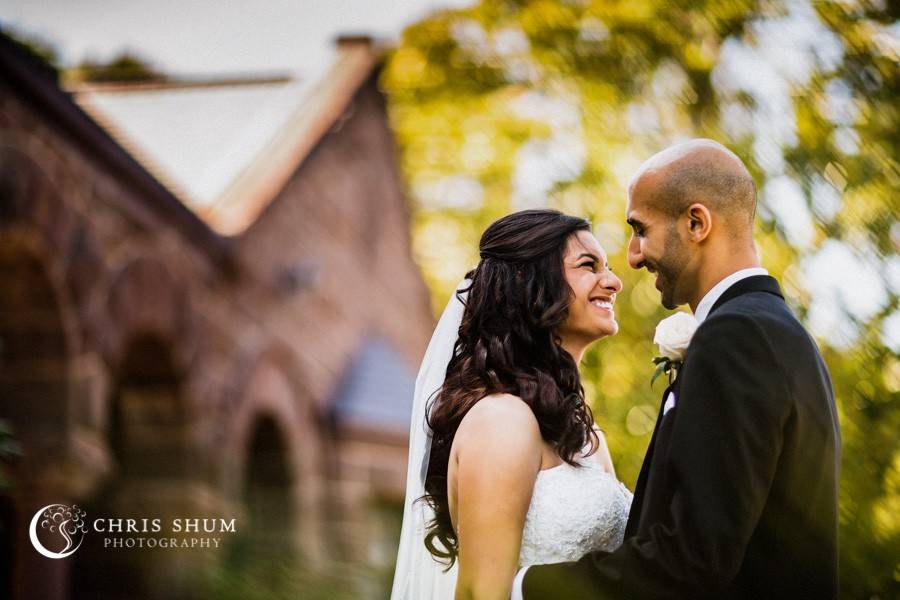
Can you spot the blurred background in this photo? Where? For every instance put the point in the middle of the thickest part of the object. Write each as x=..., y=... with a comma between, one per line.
x=224, y=233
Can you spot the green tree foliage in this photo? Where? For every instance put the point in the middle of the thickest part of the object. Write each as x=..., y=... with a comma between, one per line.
x=124, y=67
x=514, y=104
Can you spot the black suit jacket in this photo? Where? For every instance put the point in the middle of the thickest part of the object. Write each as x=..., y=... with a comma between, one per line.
x=737, y=496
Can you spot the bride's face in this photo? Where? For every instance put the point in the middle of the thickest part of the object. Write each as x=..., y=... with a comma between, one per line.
x=594, y=286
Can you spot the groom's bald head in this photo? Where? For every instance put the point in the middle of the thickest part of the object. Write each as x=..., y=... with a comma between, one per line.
x=699, y=171
x=691, y=209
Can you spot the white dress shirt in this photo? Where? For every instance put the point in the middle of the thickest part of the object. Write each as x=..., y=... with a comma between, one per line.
x=703, y=308
x=706, y=304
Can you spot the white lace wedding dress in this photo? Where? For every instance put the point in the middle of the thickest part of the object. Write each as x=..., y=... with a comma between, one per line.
x=573, y=511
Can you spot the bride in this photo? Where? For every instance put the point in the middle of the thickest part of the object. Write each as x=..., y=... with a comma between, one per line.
x=506, y=466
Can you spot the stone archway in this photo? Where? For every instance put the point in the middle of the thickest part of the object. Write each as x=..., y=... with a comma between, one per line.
x=144, y=340
x=146, y=435
x=147, y=426
x=267, y=492
x=52, y=383
x=273, y=407
x=36, y=346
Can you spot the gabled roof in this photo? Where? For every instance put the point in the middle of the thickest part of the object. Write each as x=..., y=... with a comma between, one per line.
x=194, y=135
x=227, y=147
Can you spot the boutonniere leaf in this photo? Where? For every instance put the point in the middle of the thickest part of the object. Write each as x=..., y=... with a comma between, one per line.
x=665, y=365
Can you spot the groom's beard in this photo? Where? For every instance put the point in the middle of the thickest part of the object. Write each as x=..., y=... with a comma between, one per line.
x=666, y=284
x=669, y=269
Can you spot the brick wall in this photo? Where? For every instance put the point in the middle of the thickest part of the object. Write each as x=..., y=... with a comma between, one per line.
x=96, y=275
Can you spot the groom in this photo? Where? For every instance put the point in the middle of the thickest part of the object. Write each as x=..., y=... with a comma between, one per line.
x=737, y=496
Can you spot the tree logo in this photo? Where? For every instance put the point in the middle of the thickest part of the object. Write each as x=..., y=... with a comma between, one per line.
x=57, y=530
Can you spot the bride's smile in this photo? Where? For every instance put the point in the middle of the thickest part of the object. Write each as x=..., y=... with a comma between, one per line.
x=594, y=287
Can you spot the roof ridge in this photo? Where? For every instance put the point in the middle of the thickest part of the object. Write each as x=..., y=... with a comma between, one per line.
x=175, y=83
x=260, y=181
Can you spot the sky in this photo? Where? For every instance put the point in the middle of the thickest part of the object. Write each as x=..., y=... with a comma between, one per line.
x=206, y=37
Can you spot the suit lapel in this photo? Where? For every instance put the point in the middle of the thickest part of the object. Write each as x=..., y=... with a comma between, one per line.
x=757, y=283
x=640, y=486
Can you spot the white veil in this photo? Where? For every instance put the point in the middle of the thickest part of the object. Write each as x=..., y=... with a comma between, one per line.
x=418, y=575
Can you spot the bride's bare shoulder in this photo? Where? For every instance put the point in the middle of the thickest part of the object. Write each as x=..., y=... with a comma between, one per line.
x=501, y=410
x=503, y=420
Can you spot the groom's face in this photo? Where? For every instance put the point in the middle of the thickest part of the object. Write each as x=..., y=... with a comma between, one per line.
x=656, y=246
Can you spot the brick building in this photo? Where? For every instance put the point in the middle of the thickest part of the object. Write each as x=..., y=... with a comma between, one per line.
x=240, y=347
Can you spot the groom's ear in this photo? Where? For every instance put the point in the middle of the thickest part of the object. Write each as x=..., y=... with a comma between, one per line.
x=699, y=222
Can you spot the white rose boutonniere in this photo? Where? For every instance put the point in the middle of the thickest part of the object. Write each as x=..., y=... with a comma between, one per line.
x=673, y=335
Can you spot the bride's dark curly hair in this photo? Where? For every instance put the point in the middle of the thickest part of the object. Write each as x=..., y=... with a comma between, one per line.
x=508, y=343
